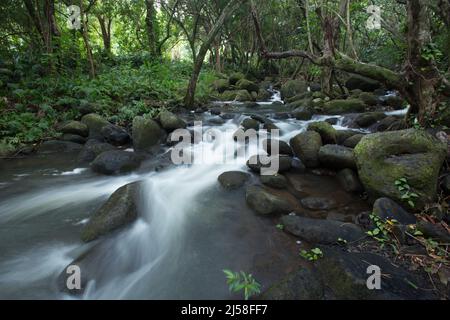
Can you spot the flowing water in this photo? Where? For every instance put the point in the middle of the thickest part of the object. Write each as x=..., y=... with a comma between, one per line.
x=189, y=229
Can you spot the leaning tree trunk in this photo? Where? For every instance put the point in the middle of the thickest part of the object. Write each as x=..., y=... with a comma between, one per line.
x=198, y=63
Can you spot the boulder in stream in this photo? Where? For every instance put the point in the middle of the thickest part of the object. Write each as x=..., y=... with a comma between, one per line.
x=75, y=127
x=337, y=157
x=95, y=123
x=120, y=210
x=292, y=88
x=384, y=158
x=115, y=135
x=306, y=146
x=362, y=83
x=92, y=149
x=326, y=131
x=265, y=203
x=170, y=121
x=344, y=106
x=233, y=179
x=116, y=162
x=147, y=134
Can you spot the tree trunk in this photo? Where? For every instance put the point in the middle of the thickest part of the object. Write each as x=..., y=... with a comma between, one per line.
x=226, y=13
x=105, y=26
x=151, y=32
x=85, y=35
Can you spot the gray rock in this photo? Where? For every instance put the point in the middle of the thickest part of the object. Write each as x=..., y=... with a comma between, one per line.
x=367, y=119
x=265, y=203
x=306, y=146
x=321, y=231
x=73, y=138
x=349, y=180
x=92, y=149
x=233, y=179
x=283, y=147
x=337, y=157
x=276, y=181
x=249, y=123
x=119, y=211
x=115, y=162
x=304, y=113
x=115, y=135
x=95, y=123
x=255, y=163
x=386, y=208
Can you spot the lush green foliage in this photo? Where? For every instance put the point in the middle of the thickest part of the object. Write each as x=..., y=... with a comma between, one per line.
x=240, y=281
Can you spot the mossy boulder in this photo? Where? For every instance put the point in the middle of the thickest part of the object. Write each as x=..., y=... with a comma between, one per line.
x=367, y=119
x=306, y=146
x=263, y=95
x=326, y=131
x=119, y=211
x=344, y=106
x=95, y=123
x=250, y=123
x=369, y=98
x=147, y=134
x=243, y=96
x=292, y=88
x=337, y=157
x=235, y=77
x=170, y=121
x=221, y=85
x=248, y=85
x=233, y=179
x=298, y=104
x=116, y=162
x=75, y=127
x=383, y=158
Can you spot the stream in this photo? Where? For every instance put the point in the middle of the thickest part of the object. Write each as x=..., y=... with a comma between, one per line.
x=189, y=229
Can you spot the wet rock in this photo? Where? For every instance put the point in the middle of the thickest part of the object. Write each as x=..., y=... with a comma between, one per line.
x=283, y=147
x=233, y=179
x=265, y=203
x=250, y=124
x=73, y=138
x=257, y=162
x=95, y=123
x=248, y=85
x=344, y=106
x=306, y=146
x=216, y=121
x=367, y=119
x=318, y=203
x=76, y=128
x=170, y=121
x=346, y=274
x=315, y=87
x=333, y=121
x=434, y=231
x=216, y=111
x=383, y=158
x=292, y=88
x=353, y=141
x=362, y=83
x=349, y=180
x=388, y=209
x=276, y=181
x=119, y=211
x=342, y=135
x=337, y=157
x=302, y=284
x=263, y=95
x=387, y=124
x=115, y=135
x=395, y=102
x=115, y=162
x=92, y=149
x=297, y=166
x=147, y=134
x=304, y=113
x=57, y=146
x=298, y=106
x=318, y=231
x=326, y=131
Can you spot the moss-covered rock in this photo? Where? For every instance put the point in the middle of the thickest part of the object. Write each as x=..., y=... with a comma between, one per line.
x=95, y=123
x=383, y=158
x=263, y=95
x=221, y=85
x=265, y=203
x=120, y=210
x=75, y=127
x=368, y=98
x=243, y=96
x=146, y=134
x=326, y=131
x=302, y=103
x=362, y=83
x=248, y=85
x=304, y=113
x=292, y=88
x=344, y=106
x=306, y=146
x=235, y=77
x=170, y=121
x=337, y=157
x=367, y=119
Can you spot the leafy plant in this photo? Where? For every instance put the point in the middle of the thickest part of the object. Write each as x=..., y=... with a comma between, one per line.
x=407, y=194
x=240, y=281
x=313, y=255
x=383, y=232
